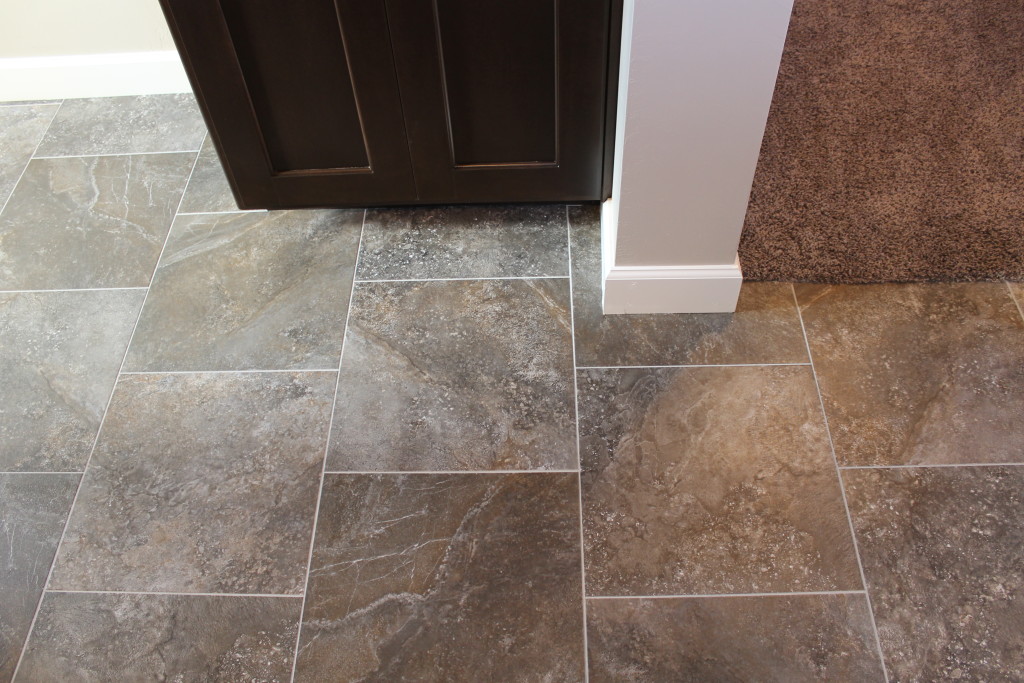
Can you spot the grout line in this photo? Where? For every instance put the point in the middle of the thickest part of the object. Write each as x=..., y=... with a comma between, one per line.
x=327, y=446
x=931, y=466
x=692, y=596
x=293, y=596
x=99, y=430
x=470, y=279
x=24, y=168
x=1013, y=298
x=218, y=213
x=81, y=289
x=695, y=365
x=842, y=486
x=365, y=472
x=122, y=154
x=579, y=460
x=43, y=472
x=221, y=372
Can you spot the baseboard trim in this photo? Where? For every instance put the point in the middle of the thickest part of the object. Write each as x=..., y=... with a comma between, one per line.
x=103, y=75
x=672, y=289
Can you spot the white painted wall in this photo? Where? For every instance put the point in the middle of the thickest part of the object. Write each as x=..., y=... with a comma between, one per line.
x=698, y=78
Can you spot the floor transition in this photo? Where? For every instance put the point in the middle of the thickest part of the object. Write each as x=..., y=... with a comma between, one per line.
x=404, y=445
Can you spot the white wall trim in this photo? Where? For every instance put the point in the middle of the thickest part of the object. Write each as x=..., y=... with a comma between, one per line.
x=672, y=289
x=102, y=75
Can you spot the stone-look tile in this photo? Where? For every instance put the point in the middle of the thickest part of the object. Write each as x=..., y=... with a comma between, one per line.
x=87, y=637
x=251, y=291
x=456, y=375
x=463, y=577
x=20, y=131
x=764, y=329
x=464, y=241
x=59, y=356
x=941, y=549
x=709, y=480
x=919, y=373
x=208, y=188
x=779, y=638
x=90, y=221
x=1017, y=290
x=122, y=125
x=33, y=508
x=201, y=483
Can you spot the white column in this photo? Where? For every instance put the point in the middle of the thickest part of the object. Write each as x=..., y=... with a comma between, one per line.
x=696, y=81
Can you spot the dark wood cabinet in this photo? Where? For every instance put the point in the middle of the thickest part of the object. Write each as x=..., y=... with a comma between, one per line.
x=375, y=102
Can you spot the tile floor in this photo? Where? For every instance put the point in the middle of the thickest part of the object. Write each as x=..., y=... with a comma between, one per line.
x=404, y=445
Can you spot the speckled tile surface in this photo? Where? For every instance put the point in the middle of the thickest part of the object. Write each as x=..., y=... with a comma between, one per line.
x=464, y=241
x=33, y=508
x=784, y=639
x=764, y=329
x=252, y=291
x=122, y=125
x=709, y=480
x=21, y=129
x=445, y=577
x=941, y=549
x=928, y=373
x=59, y=355
x=208, y=188
x=472, y=375
x=90, y=221
x=201, y=483
x=83, y=637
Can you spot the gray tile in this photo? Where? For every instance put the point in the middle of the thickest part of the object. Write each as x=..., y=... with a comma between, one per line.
x=919, y=373
x=122, y=125
x=208, y=188
x=21, y=128
x=464, y=241
x=941, y=549
x=59, y=357
x=764, y=329
x=84, y=637
x=709, y=480
x=264, y=291
x=456, y=375
x=90, y=221
x=462, y=577
x=33, y=508
x=784, y=638
x=201, y=483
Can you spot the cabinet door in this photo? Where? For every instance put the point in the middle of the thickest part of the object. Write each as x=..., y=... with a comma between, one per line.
x=301, y=98
x=505, y=100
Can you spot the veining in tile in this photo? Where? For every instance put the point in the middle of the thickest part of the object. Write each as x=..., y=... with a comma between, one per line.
x=208, y=188
x=942, y=554
x=251, y=291
x=201, y=483
x=123, y=125
x=463, y=577
x=709, y=480
x=59, y=355
x=186, y=639
x=464, y=241
x=470, y=375
x=90, y=221
x=21, y=128
x=919, y=373
x=33, y=508
x=786, y=639
x=764, y=329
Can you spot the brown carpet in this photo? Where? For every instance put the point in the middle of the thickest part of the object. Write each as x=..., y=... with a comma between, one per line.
x=895, y=146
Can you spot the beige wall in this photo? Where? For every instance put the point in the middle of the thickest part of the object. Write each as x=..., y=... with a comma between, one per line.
x=36, y=28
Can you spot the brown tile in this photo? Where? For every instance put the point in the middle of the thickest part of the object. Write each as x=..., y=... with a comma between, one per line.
x=88, y=637
x=201, y=483
x=941, y=549
x=709, y=480
x=764, y=329
x=1017, y=290
x=784, y=638
x=33, y=508
x=919, y=373
x=461, y=375
x=445, y=578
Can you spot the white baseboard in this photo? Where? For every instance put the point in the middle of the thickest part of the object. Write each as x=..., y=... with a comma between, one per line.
x=672, y=289
x=103, y=75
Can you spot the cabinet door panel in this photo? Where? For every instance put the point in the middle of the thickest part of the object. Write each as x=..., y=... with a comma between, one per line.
x=301, y=98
